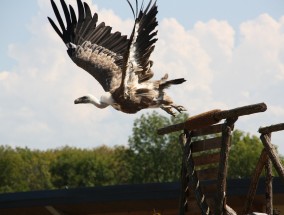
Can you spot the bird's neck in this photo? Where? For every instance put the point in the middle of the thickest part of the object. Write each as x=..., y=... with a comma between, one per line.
x=103, y=102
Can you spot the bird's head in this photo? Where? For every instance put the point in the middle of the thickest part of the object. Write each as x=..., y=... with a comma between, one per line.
x=84, y=100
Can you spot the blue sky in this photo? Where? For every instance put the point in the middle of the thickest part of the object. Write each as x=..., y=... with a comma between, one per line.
x=233, y=45
x=16, y=14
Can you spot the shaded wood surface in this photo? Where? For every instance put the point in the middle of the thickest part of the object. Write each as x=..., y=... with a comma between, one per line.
x=273, y=155
x=207, y=144
x=223, y=165
x=206, y=159
x=195, y=122
x=268, y=187
x=254, y=181
x=208, y=174
x=209, y=190
x=271, y=128
x=241, y=111
x=212, y=117
x=229, y=211
x=185, y=142
x=213, y=129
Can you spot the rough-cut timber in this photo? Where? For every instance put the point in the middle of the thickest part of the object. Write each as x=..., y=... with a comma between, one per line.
x=223, y=166
x=207, y=144
x=192, y=123
x=254, y=181
x=268, y=187
x=271, y=128
x=213, y=129
x=212, y=117
x=185, y=142
x=241, y=111
x=273, y=155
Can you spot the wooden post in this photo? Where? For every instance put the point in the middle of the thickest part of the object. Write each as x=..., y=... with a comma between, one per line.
x=268, y=185
x=271, y=128
x=223, y=166
x=272, y=154
x=268, y=188
x=184, y=182
x=254, y=181
x=190, y=168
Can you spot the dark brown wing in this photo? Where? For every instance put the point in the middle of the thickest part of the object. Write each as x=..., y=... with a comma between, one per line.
x=142, y=40
x=92, y=46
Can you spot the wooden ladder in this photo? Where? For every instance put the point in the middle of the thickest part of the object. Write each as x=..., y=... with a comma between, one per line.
x=268, y=157
x=205, y=143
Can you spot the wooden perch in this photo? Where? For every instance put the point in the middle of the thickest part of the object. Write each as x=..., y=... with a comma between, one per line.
x=271, y=128
x=254, y=181
x=212, y=117
x=194, y=122
x=273, y=155
x=241, y=111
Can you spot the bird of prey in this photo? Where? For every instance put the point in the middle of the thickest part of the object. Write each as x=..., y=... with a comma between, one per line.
x=121, y=65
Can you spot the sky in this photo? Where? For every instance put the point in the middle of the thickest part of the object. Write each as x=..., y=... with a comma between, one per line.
x=230, y=52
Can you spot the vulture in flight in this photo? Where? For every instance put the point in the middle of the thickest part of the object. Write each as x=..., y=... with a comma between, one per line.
x=121, y=65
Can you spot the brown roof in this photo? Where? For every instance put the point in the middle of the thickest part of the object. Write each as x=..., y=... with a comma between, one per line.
x=124, y=199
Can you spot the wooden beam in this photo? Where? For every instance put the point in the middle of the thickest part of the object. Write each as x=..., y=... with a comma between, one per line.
x=271, y=128
x=52, y=210
x=212, y=117
x=213, y=129
x=185, y=142
x=268, y=187
x=208, y=144
x=223, y=165
x=241, y=111
x=192, y=123
x=254, y=181
x=207, y=174
x=206, y=159
x=273, y=155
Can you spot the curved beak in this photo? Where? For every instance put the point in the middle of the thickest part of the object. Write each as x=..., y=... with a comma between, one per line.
x=79, y=100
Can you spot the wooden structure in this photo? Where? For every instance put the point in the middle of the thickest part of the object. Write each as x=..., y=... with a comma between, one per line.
x=206, y=157
x=268, y=157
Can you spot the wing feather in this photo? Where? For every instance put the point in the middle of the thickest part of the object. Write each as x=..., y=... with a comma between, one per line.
x=73, y=15
x=92, y=46
x=66, y=12
x=91, y=27
x=87, y=20
x=142, y=42
x=55, y=28
x=57, y=14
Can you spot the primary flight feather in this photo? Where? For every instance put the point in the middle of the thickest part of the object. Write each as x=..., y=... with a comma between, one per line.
x=121, y=65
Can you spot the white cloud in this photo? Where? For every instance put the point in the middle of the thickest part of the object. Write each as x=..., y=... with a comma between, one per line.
x=277, y=111
x=225, y=68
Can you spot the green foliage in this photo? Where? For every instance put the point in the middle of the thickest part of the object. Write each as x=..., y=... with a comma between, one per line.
x=23, y=169
x=244, y=154
x=153, y=157
x=82, y=168
x=147, y=158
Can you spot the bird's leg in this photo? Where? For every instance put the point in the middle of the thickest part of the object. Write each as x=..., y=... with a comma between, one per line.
x=179, y=108
x=168, y=109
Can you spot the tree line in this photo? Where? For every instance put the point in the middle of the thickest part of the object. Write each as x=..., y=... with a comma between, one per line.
x=146, y=158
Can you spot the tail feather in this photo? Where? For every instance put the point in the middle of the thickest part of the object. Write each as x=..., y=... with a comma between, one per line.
x=167, y=84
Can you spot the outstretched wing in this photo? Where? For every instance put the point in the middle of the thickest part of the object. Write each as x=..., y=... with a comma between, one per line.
x=92, y=46
x=142, y=42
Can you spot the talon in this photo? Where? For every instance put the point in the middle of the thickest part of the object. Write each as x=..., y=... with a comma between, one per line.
x=179, y=108
x=168, y=109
